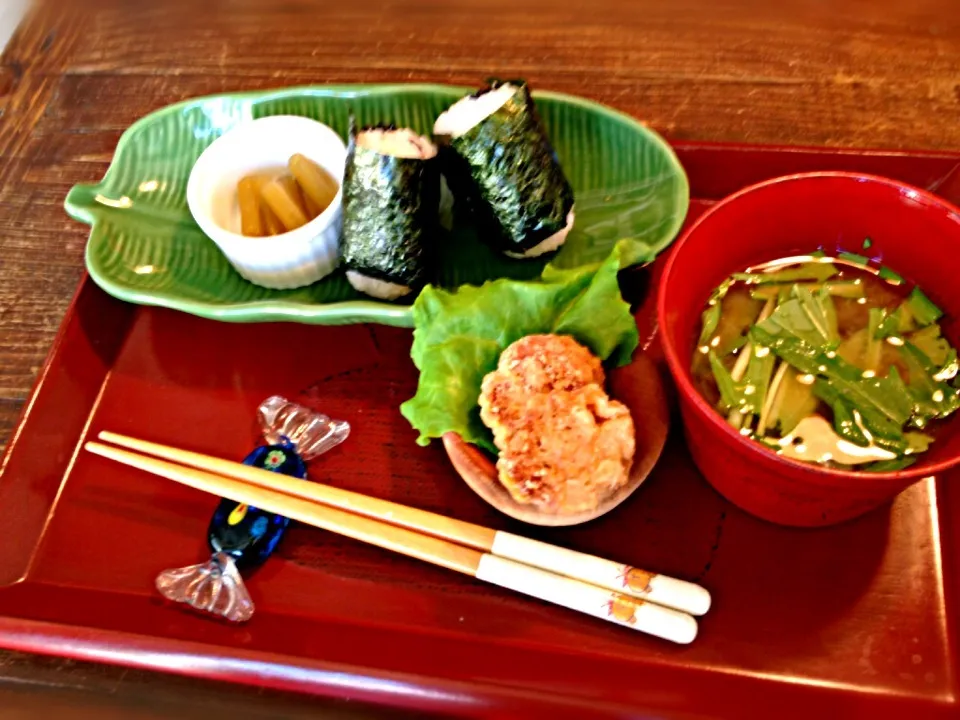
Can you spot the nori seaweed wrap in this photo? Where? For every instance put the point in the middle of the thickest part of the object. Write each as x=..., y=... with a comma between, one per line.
x=498, y=159
x=391, y=197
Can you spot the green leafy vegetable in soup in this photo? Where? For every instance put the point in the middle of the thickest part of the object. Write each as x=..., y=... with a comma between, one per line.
x=827, y=360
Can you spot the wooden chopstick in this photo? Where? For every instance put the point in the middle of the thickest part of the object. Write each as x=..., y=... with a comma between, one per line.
x=592, y=600
x=661, y=589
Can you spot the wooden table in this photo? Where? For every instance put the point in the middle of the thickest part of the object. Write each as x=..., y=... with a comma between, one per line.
x=873, y=73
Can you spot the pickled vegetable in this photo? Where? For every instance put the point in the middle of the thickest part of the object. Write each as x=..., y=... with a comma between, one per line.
x=271, y=222
x=282, y=199
x=294, y=190
x=276, y=202
x=311, y=207
x=318, y=186
x=248, y=196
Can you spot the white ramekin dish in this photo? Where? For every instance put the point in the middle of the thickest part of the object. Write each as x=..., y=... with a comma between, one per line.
x=296, y=258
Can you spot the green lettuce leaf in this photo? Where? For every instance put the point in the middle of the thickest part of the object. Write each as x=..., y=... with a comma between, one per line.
x=459, y=336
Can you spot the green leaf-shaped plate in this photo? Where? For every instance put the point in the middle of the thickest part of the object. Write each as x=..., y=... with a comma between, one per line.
x=145, y=247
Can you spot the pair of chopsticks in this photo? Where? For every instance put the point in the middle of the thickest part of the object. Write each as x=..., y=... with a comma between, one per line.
x=655, y=604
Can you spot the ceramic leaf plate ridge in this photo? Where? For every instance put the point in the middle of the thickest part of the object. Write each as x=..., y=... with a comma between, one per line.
x=145, y=248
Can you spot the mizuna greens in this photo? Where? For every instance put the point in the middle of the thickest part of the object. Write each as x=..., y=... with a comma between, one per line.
x=828, y=360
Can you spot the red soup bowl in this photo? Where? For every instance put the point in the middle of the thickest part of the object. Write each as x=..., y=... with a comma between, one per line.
x=911, y=231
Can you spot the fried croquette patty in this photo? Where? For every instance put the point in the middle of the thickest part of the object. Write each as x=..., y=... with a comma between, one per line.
x=564, y=444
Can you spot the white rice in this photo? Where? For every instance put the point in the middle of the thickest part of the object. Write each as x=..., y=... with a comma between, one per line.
x=548, y=245
x=403, y=143
x=376, y=288
x=470, y=111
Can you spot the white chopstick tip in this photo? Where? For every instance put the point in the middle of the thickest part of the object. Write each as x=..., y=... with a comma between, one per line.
x=685, y=630
x=665, y=623
x=700, y=601
x=679, y=594
x=626, y=579
x=640, y=615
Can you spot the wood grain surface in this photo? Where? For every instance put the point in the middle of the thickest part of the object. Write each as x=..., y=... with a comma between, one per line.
x=863, y=73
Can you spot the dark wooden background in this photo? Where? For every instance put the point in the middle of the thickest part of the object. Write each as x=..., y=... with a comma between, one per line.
x=862, y=73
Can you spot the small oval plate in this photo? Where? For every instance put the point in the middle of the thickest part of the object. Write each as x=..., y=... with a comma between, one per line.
x=145, y=247
x=640, y=387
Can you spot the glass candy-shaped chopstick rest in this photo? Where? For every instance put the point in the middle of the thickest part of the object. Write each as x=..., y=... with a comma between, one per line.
x=240, y=536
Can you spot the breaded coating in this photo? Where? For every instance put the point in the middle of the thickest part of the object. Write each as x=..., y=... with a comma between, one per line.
x=534, y=364
x=564, y=444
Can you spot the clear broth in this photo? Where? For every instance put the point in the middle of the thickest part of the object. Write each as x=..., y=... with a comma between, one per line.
x=739, y=311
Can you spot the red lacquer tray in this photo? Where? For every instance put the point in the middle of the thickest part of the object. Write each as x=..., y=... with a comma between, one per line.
x=846, y=621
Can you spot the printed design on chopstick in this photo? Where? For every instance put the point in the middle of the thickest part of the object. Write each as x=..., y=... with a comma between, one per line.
x=623, y=608
x=635, y=579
